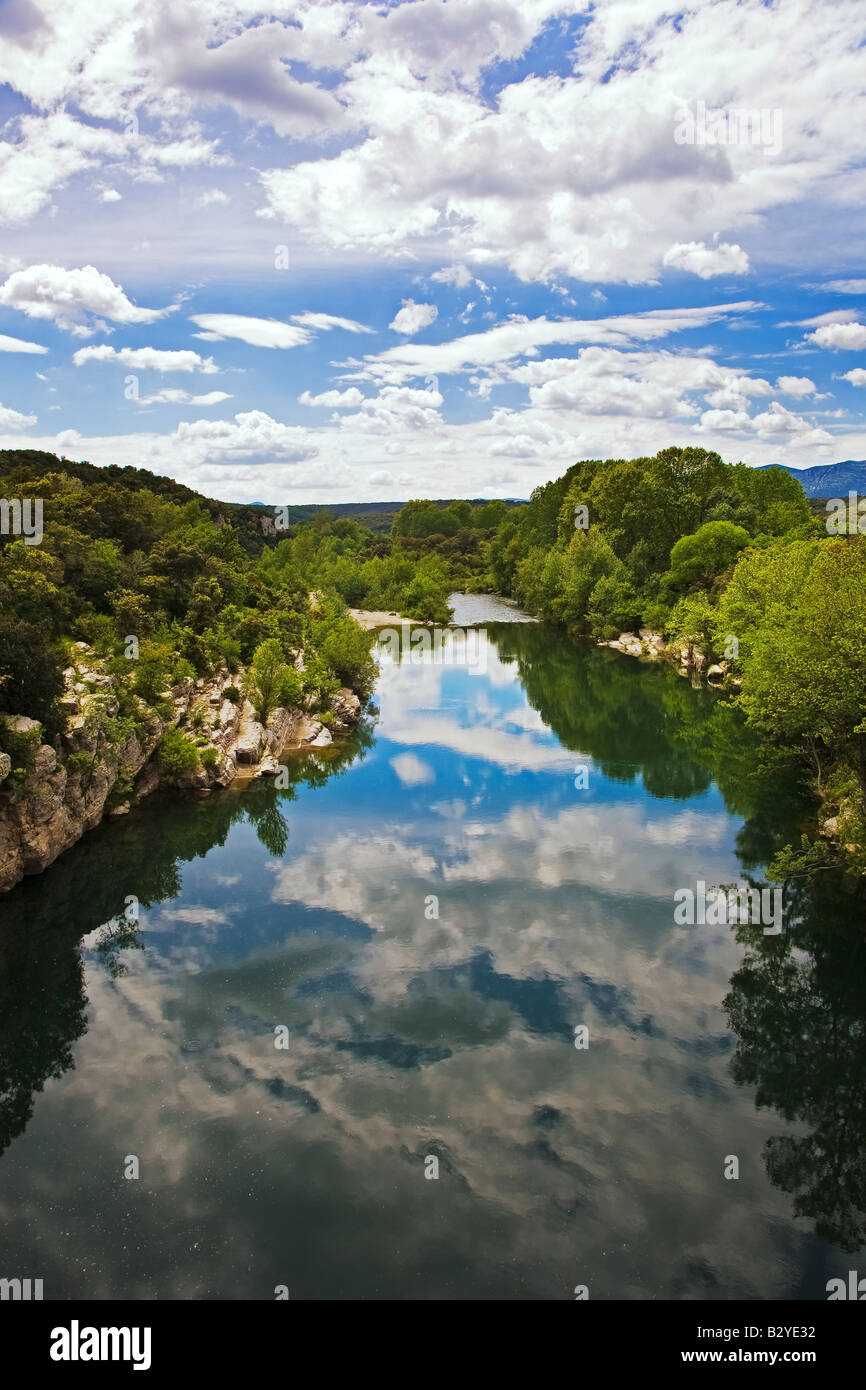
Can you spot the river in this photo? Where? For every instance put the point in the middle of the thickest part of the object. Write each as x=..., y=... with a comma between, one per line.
x=423, y=1025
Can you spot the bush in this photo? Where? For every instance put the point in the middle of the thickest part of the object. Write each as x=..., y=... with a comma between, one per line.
x=177, y=754
x=183, y=671
x=209, y=757
x=232, y=693
x=270, y=682
x=31, y=672
x=22, y=748
x=152, y=670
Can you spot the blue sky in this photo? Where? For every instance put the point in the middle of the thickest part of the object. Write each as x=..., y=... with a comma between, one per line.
x=339, y=251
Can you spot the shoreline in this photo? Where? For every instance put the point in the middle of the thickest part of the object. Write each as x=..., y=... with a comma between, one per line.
x=81, y=779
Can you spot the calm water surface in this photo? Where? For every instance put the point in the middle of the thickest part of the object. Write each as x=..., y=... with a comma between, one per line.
x=414, y=1035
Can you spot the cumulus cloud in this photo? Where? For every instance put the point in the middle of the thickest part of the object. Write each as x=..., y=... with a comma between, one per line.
x=334, y=400
x=252, y=434
x=147, y=359
x=796, y=386
x=413, y=317
x=707, y=261
x=839, y=337
x=72, y=298
x=857, y=376
x=777, y=420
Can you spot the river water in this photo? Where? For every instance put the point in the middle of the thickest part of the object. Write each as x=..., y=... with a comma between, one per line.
x=430, y=918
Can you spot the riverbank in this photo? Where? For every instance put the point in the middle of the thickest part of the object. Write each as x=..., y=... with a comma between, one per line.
x=55, y=792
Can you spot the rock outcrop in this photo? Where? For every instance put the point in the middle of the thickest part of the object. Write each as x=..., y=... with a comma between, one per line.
x=685, y=657
x=72, y=784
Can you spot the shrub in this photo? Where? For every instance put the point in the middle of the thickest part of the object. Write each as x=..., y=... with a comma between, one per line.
x=21, y=747
x=232, y=693
x=270, y=682
x=209, y=757
x=183, y=671
x=177, y=754
x=152, y=670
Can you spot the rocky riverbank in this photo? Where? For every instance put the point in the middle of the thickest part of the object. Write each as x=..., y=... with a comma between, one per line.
x=685, y=658
x=60, y=790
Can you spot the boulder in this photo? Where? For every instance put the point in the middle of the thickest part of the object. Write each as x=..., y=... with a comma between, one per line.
x=250, y=741
x=5, y=766
x=20, y=724
x=345, y=706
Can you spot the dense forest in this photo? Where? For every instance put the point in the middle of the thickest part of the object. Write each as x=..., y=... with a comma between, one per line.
x=728, y=563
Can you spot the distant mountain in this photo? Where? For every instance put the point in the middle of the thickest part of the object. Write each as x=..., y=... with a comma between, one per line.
x=830, y=480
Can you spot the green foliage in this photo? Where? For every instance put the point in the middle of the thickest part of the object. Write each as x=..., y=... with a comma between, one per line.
x=231, y=692
x=22, y=747
x=152, y=669
x=270, y=682
x=209, y=757
x=31, y=671
x=177, y=754
x=697, y=559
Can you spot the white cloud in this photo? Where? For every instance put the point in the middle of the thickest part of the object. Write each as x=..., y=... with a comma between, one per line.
x=267, y=333
x=324, y=322
x=210, y=196
x=857, y=376
x=834, y=316
x=846, y=286
x=251, y=434
x=43, y=155
x=840, y=337
x=334, y=400
x=707, y=261
x=457, y=275
x=174, y=396
x=796, y=386
x=13, y=419
x=72, y=297
x=8, y=344
x=413, y=317
x=521, y=337
x=147, y=358
x=777, y=420
x=409, y=768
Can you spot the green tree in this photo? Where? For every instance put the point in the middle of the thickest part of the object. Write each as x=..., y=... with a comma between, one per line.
x=270, y=682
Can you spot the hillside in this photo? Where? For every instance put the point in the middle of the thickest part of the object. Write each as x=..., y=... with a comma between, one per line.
x=829, y=480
